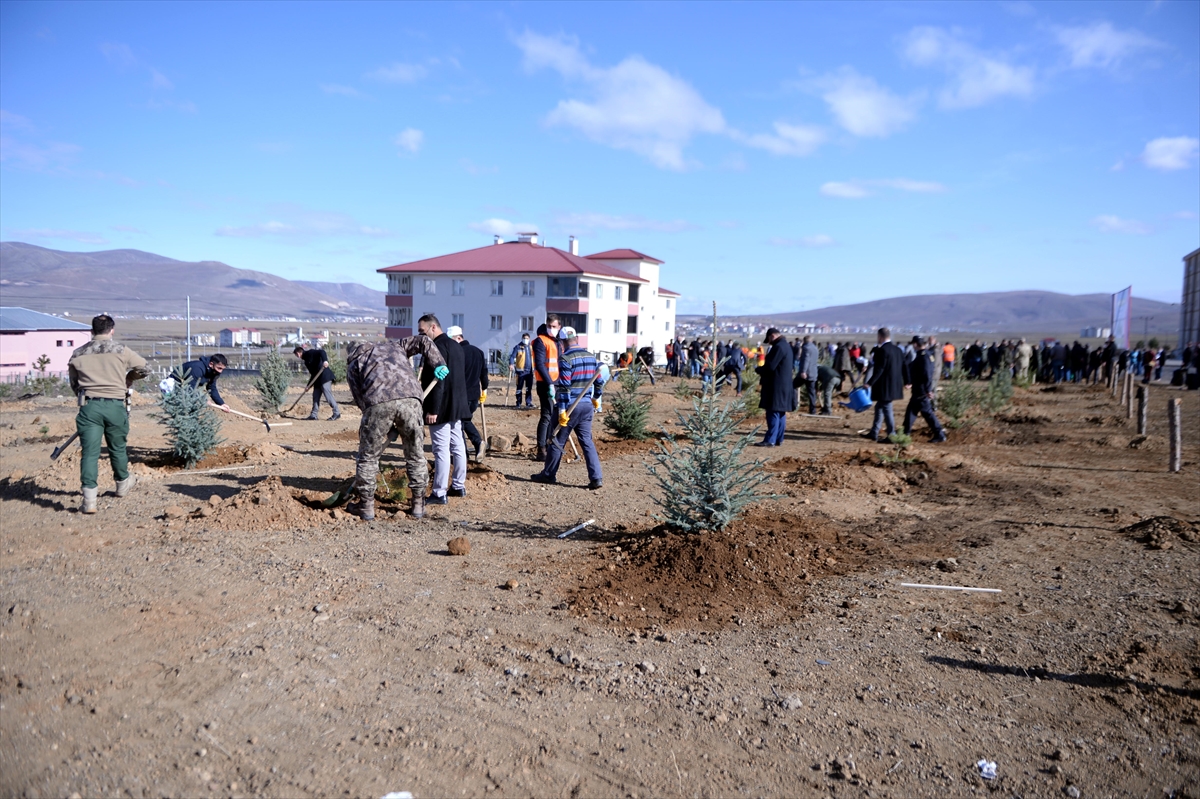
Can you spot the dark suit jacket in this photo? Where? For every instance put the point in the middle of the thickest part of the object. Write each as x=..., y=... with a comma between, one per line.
x=449, y=397
x=475, y=374
x=887, y=380
x=776, y=379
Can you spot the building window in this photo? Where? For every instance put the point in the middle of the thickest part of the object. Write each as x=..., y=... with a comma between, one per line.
x=458, y=288
x=497, y=288
x=58, y=343
x=633, y=292
x=456, y=319
x=70, y=342
x=497, y=322
x=598, y=325
x=618, y=291
x=495, y=358
x=527, y=325
x=631, y=325
x=431, y=287
x=526, y=288
x=399, y=317
x=668, y=303
x=668, y=327
x=583, y=289
x=561, y=286
x=599, y=291
x=616, y=325
x=399, y=284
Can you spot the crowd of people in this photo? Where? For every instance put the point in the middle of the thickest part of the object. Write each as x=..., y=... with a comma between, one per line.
x=398, y=400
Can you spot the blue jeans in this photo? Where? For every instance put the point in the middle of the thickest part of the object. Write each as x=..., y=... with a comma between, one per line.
x=883, y=416
x=776, y=422
x=581, y=424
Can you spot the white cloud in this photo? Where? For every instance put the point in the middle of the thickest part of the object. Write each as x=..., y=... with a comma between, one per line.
x=787, y=140
x=1107, y=223
x=975, y=77
x=1170, y=154
x=159, y=80
x=502, y=227
x=11, y=121
x=52, y=233
x=844, y=191
x=817, y=241
x=857, y=189
x=303, y=224
x=588, y=221
x=862, y=106
x=1185, y=215
x=119, y=54
x=345, y=91
x=635, y=105
x=36, y=158
x=399, y=73
x=1102, y=45
x=409, y=139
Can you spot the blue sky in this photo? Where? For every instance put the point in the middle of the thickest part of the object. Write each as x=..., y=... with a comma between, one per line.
x=776, y=156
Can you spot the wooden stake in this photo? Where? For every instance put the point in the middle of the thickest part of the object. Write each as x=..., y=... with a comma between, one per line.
x=1128, y=395
x=951, y=588
x=1143, y=398
x=1175, y=434
x=1113, y=380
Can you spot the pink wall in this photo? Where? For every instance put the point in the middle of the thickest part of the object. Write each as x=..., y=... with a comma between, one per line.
x=19, y=351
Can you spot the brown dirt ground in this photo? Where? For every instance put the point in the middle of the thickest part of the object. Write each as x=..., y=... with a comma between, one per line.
x=256, y=644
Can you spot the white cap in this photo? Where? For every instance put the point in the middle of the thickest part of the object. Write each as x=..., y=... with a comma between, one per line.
x=454, y=331
x=566, y=333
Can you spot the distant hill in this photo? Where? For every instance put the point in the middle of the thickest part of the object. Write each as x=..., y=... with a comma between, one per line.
x=132, y=282
x=998, y=312
x=356, y=294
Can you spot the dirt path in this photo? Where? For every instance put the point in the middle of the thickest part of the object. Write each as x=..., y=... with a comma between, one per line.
x=250, y=645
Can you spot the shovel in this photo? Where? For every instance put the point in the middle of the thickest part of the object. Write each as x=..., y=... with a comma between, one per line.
x=255, y=418
x=311, y=383
x=61, y=448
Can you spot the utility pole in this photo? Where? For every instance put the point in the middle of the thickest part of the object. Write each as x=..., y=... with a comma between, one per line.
x=189, y=327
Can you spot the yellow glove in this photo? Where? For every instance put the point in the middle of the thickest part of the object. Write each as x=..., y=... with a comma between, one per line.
x=483, y=396
x=596, y=403
x=563, y=418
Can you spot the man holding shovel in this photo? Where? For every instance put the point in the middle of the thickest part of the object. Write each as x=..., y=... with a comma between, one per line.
x=579, y=380
x=317, y=364
x=385, y=387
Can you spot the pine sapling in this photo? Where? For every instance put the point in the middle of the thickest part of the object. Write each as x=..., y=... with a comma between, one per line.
x=999, y=391
x=274, y=378
x=628, y=410
x=957, y=397
x=192, y=426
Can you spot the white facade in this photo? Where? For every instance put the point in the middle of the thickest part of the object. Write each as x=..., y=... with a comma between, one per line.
x=236, y=337
x=656, y=312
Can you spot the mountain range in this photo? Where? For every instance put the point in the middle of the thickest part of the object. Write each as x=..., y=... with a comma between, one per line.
x=998, y=312
x=132, y=282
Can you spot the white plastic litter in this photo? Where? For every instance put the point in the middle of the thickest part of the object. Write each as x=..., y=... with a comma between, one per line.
x=398, y=795
x=987, y=770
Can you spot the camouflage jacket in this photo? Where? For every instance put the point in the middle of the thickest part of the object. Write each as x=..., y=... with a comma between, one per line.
x=381, y=371
x=103, y=367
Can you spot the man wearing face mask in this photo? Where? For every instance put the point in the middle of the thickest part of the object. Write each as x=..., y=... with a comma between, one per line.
x=546, y=351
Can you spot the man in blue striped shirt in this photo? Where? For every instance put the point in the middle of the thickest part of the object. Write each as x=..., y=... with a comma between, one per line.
x=578, y=375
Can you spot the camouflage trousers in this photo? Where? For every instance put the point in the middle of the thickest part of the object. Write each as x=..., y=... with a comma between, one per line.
x=382, y=424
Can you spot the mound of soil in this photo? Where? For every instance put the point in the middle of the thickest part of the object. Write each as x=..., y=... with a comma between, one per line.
x=484, y=478
x=267, y=505
x=1160, y=532
x=341, y=435
x=756, y=570
x=839, y=470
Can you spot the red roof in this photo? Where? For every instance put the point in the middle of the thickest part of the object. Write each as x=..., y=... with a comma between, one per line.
x=662, y=290
x=512, y=257
x=624, y=255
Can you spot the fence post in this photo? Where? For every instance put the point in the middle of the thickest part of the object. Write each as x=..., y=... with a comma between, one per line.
x=1128, y=395
x=1176, y=435
x=1114, y=379
x=1143, y=398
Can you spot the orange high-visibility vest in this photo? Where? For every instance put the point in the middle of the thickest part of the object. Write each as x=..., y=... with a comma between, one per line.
x=948, y=353
x=551, y=359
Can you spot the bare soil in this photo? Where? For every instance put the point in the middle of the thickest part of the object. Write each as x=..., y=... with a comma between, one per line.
x=219, y=633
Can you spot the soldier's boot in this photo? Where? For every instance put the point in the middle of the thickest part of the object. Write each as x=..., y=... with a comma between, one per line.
x=124, y=486
x=365, y=511
x=418, y=506
x=89, y=500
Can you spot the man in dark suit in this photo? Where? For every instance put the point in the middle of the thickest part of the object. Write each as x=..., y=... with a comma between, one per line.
x=775, y=382
x=445, y=408
x=887, y=383
x=921, y=375
x=475, y=364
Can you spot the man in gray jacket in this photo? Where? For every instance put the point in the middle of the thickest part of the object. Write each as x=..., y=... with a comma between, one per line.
x=807, y=373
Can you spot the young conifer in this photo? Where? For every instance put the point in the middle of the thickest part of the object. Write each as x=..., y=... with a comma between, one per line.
x=192, y=426
x=273, y=380
x=627, y=409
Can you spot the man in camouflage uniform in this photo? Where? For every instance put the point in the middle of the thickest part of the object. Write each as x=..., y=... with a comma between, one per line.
x=100, y=373
x=385, y=387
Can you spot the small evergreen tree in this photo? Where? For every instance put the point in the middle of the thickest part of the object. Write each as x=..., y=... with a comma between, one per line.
x=628, y=411
x=748, y=403
x=274, y=378
x=192, y=426
x=957, y=397
x=337, y=365
x=683, y=390
x=704, y=484
x=999, y=392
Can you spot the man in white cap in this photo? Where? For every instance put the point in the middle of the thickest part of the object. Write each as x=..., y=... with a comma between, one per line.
x=445, y=408
x=578, y=394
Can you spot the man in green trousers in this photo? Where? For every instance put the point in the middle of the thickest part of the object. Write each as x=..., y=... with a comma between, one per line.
x=100, y=372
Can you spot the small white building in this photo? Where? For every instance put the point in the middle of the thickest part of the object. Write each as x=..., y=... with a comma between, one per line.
x=497, y=293
x=240, y=336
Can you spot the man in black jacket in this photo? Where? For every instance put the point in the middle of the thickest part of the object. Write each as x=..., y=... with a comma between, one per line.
x=445, y=408
x=203, y=373
x=546, y=350
x=887, y=383
x=476, y=378
x=775, y=381
x=921, y=377
x=317, y=364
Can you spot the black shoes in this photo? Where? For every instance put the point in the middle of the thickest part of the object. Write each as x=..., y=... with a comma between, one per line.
x=939, y=438
x=312, y=418
x=543, y=478
x=764, y=444
x=457, y=492
x=437, y=499
x=336, y=416
x=595, y=485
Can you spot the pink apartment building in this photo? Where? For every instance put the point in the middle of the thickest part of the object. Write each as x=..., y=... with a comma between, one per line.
x=27, y=335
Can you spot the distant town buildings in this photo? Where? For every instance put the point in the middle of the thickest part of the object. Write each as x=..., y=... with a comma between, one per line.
x=613, y=299
x=1189, y=321
x=240, y=336
x=1095, y=332
x=25, y=336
